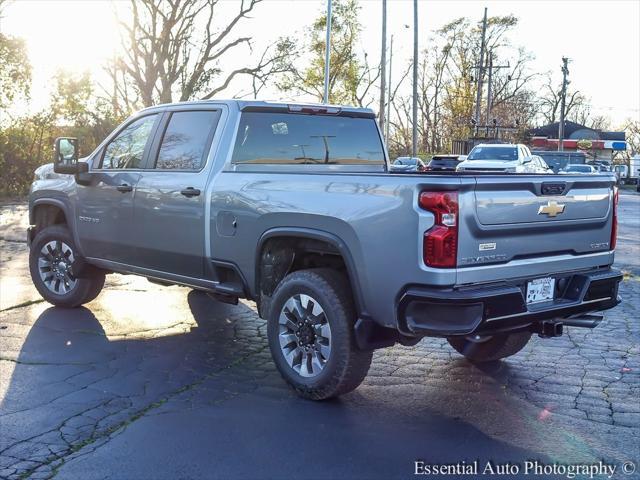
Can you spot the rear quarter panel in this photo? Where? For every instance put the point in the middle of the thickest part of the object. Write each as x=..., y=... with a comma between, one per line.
x=375, y=215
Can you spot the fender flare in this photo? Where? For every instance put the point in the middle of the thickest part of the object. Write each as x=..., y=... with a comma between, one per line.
x=321, y=235
x=66, y=209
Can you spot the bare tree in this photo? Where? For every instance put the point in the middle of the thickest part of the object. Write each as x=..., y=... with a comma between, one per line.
x=550, y=100
x=173, y=49
x=632, y=131
x=447, y=83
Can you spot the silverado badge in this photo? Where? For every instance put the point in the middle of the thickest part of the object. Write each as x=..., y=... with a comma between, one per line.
x=552, y=208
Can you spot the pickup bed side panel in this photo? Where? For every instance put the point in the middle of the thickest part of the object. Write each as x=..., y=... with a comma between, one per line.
x=375, y=216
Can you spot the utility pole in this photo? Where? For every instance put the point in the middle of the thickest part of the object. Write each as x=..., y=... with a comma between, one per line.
x=383, y=65
x=327, y=55
x=414, y=146
x=563, y=97
x=386, y=134
x=491, y=67
x=481, y=68
x=490, y=62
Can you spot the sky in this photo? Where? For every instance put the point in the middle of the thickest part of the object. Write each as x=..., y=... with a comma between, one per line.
x=602, y=38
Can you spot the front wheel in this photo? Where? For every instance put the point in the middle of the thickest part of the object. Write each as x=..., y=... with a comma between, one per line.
x=310, y=333
x=52, y=259
x=479, y=349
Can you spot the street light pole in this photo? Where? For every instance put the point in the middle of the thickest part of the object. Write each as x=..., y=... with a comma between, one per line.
x=414, y=146
x=481, y=68
x=327, y=55
x=383, y=65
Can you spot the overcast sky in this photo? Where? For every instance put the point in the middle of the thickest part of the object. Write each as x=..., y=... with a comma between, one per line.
x=602, y=38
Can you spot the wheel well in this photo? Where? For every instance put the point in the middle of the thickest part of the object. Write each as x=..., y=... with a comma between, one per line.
x=280, y=256
x=46, y=215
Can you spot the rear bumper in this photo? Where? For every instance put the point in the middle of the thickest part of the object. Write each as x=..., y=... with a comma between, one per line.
x=502, y=307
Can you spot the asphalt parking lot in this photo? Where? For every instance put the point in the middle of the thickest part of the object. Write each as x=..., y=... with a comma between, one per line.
x=162, y=382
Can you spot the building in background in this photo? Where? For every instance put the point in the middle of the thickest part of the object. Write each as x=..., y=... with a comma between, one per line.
x=596, y=144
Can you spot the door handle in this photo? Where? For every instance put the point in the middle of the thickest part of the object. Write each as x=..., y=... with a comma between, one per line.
x=190, y=192
x=124, y=188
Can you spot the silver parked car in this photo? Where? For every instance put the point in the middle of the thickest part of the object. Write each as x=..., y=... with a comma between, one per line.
x=407, y=164
x=503, y=158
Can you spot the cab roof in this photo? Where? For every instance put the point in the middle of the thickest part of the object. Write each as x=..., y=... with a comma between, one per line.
x=278, y=106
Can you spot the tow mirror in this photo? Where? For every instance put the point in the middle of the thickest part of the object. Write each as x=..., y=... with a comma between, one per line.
x=66, y=157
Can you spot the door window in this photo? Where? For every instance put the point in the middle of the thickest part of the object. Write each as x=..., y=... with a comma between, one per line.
x=186, y=140
x=127, y=149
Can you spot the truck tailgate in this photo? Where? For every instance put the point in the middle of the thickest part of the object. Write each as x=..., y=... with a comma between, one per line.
x=535, y=223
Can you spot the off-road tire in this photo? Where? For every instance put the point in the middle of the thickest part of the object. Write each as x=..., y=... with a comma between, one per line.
x=347, y=365
x=491, y=349
x=87, y=287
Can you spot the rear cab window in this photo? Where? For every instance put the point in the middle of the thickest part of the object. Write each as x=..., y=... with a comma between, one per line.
x=268, y=138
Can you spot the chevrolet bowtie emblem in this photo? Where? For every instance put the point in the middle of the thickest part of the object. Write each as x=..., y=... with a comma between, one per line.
x=551, y=208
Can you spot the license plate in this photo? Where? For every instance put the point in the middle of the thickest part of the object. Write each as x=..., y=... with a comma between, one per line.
x=540, y=290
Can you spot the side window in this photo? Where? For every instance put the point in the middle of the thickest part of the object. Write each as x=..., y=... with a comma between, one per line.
x=186, y=140
x=127, y=149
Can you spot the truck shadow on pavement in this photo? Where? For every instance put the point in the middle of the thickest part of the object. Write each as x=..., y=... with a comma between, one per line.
x=204, y=396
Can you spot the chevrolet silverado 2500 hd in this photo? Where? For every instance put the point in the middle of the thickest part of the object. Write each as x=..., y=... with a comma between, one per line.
x=293, y=206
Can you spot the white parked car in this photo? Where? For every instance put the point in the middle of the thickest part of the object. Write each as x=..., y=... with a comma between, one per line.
x=580, y=169
x=503, y=158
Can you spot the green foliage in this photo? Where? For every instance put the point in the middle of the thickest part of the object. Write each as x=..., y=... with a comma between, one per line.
x=24, y=145
x=26, y=142
x=15, y=70
x=345, y=68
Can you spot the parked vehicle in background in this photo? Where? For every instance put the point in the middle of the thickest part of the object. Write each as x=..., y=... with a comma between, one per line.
x=629, y=174
x=443, y=163
x=544, y=165
x=634, y=169
x=580, y=169
x=502, y=158
x=294, y=208
x=600, y=165
x=407, y=164
x=559, y=160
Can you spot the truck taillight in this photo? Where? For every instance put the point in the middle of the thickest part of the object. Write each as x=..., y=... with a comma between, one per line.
x=614, y=222
x=440, y=243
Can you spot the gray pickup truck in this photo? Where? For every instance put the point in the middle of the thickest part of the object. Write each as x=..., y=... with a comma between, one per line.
x=293, y=206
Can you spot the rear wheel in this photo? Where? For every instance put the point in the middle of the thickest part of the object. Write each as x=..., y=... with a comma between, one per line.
x=480, y=349
x=310, y=332
x=52, y=259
